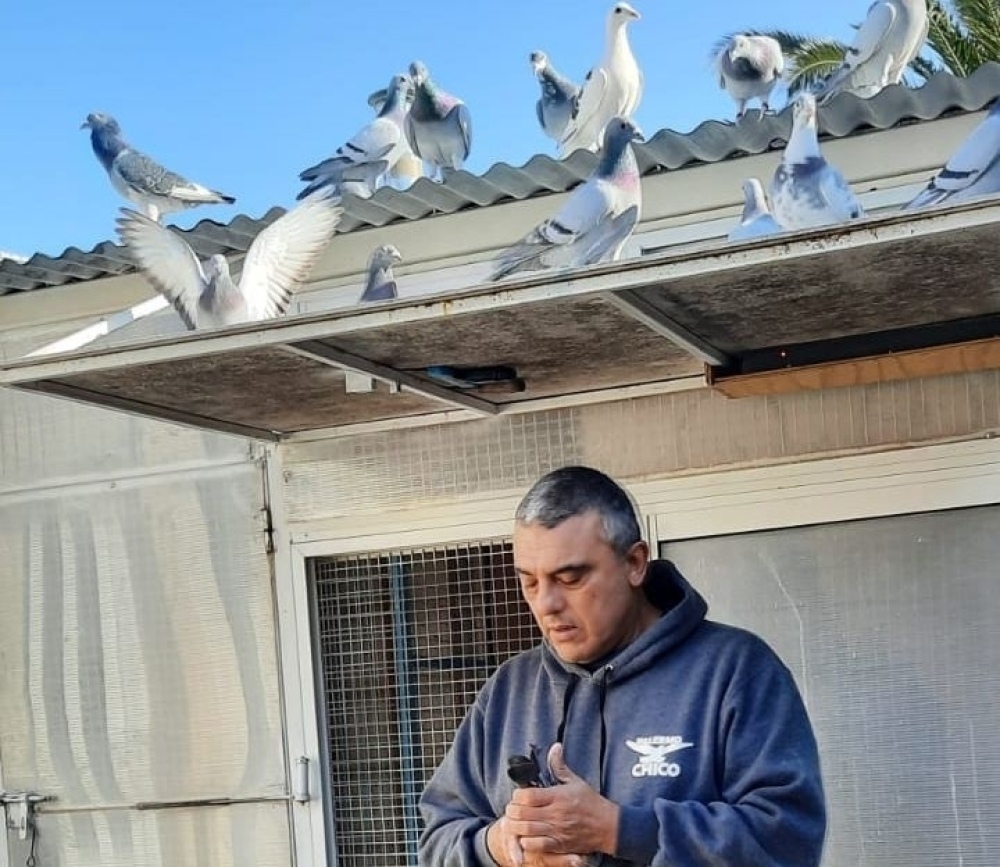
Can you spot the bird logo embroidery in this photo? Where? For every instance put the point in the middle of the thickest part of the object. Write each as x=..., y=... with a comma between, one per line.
x=653, y=752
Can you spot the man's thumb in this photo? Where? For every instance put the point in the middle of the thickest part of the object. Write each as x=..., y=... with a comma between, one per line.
x=557, y=764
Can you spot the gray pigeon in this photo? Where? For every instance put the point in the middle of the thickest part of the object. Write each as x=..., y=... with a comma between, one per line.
x=611, y=89
x=806, y=190
x=555, y=107
x=594, y=222
x=380, y=284
x=359, y=165
x=140, y=179
x=204, y=293
x=757, y=220
x=749, y=66
x=439, y=125
x=972, y=171
x=891, y=36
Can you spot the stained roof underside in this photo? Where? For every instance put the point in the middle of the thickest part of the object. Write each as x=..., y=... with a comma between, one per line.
x=873, y=287
x=710, y=142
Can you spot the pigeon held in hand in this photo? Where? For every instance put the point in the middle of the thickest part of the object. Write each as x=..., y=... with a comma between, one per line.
x=891, y=36
x=204, y=292
x=613, y=88
x=359, y=165
x=749, y=66
x=555, y=106
x=757, y=220
x=139, y=178
x=380, y=282
x=438, y=126
x=806, y=190
x=594, y=222
x=972, y=171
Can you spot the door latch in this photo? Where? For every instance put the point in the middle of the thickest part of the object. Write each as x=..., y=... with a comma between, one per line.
x=20, y=810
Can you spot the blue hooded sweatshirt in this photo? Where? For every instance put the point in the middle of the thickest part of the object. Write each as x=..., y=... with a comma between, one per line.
x=695, y=729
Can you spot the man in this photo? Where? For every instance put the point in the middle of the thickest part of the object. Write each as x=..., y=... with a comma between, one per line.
x=670, y=740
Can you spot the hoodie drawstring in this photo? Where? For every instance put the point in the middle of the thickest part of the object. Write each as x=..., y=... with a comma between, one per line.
x=571, y=685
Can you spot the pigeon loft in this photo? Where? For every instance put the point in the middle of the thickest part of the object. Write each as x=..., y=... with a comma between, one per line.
x=910, y=294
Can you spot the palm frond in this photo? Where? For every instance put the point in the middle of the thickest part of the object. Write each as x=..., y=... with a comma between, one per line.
x=965, y=34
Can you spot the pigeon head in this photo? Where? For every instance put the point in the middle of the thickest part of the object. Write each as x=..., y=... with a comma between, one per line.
x=753, y=197
x=804, y=110
x=419, y=73
x=216, y=266
x=616, y=157
x=622, y=13
x=739, y=43
x=98, y=121
x=105, y=137
x=539, y=61
x=384, y=256
x=620, y=131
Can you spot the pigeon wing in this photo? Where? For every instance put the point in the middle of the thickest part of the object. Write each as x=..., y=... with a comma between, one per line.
x=148, y=177
x=167, y=261
x=589, y=101
x=837, y=194
x=460, y=117
x=868, y=41
x=281, y=257
x=975, y=156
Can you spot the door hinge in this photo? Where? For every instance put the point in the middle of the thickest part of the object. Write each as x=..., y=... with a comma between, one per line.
x=268, y=530
x=20, y=810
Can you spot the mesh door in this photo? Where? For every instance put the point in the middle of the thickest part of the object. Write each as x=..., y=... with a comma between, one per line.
x=404, y=639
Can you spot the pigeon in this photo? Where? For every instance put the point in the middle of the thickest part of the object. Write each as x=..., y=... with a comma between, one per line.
x=891, y=36
x=555, y=107
x=439, y=126
x=380, y=284
x=807, y=191
x=139, y=178
x=613, y=88
x=594, y=222
x=757, y=220
x=972, y=171
x=408, y=168
x=204, y=293
x=359, y=165
x=749, y=66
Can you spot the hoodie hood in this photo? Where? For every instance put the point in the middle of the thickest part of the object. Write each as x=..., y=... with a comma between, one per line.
x=683, y=609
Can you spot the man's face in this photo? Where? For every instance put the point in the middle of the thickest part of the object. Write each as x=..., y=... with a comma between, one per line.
x=585, y=597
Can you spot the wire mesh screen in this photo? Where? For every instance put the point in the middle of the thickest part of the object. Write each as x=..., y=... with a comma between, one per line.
x=404, y=640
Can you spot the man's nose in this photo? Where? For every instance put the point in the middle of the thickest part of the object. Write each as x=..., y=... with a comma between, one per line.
x=550, y=598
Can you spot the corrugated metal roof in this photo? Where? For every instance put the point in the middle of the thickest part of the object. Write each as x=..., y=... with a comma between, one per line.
x=710, y=142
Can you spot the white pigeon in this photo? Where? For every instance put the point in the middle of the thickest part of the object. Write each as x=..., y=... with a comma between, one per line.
x=972, y=171
x=359, y=165
x=891, y=36
x=757, y=220
x=204, y=293
x=594, y=222
x=749, y=66
x=613, y=88
x=806, y=190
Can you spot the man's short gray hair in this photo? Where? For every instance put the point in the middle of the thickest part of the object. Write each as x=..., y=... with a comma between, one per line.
x=571, y=491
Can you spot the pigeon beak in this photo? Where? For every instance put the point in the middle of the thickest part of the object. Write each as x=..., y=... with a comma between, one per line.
x=85, y=125
x=637, y=135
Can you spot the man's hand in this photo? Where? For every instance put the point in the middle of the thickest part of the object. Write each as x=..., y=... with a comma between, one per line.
x=569, y=819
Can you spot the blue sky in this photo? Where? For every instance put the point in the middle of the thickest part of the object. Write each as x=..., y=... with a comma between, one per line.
x=242, y=100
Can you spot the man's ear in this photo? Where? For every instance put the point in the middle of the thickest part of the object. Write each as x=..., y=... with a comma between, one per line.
x=637, y=560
